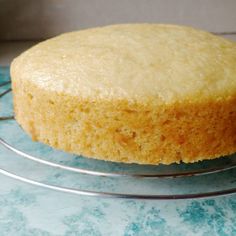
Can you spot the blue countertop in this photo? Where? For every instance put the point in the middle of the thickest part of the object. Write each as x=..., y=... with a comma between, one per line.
x=27, y=210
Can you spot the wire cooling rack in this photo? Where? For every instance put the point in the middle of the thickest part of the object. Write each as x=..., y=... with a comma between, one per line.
x=40, y=165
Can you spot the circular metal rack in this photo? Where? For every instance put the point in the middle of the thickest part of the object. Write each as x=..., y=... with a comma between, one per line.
x=117, y=171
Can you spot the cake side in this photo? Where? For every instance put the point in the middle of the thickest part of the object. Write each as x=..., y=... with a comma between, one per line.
x=127, y=132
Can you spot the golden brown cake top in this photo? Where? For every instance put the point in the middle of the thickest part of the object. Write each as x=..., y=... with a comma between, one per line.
x=135, y=62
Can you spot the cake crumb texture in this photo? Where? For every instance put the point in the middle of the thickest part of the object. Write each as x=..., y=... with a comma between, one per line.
x=137, y=93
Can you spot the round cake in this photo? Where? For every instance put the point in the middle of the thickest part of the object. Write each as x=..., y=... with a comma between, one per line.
x=135, y=93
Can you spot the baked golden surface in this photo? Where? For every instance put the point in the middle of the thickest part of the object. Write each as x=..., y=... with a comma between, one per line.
x=143, y=93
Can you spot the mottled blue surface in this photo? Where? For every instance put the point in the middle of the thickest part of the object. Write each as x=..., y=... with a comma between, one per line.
x=27, y=210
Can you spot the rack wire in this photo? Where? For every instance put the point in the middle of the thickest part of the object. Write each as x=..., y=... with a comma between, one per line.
x=125, y=171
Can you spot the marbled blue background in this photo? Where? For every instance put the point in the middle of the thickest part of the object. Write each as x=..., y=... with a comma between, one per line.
x=27, y=210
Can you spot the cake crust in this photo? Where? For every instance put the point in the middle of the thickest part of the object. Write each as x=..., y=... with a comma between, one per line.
x=154, y=115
